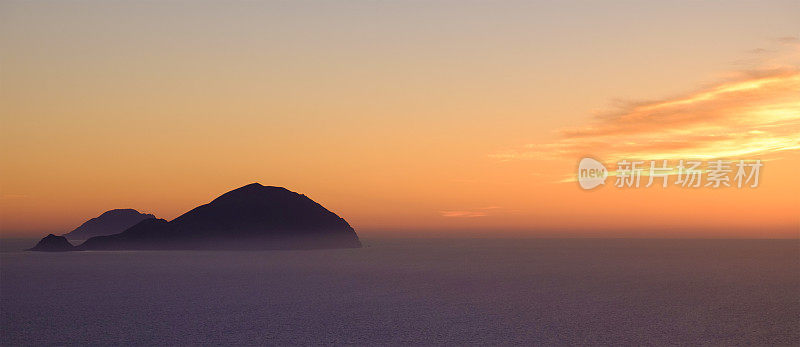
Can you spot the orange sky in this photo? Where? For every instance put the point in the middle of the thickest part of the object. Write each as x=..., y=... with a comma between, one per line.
x=405, y=118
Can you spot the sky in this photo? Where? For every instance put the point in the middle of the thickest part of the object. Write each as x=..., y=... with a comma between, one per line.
x=406, y=118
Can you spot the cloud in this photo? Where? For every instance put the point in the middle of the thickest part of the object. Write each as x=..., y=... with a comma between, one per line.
x=13, y=196
x=756, y=113
x=758, y=51
x=462, y=214
x=469, y=213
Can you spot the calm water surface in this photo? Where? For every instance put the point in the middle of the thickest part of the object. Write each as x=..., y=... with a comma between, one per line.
x=467, y=291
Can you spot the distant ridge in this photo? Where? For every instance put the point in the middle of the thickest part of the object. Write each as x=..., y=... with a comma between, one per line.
x=252, y=217
x=109, y=223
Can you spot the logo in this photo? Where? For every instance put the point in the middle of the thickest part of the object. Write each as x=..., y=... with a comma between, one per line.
x=591, y=173
x=716, y=173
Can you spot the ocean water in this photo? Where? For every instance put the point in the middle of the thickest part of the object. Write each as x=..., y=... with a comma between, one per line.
x=439, y=291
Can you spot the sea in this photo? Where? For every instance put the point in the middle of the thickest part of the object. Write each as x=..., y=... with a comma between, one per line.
x=409, y=292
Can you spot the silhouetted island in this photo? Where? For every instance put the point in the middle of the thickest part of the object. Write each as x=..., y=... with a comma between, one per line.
x=109, y=223
x=252, y=217
x=53, y=243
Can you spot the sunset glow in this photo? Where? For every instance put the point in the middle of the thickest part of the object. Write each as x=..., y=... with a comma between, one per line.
x=405, y=118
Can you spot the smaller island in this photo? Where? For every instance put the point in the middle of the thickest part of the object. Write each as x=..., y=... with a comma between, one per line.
x=53, y=243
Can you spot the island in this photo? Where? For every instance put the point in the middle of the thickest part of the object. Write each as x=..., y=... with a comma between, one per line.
x=252, y=217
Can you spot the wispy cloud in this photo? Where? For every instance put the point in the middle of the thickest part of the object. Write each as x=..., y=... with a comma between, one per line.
x=462, y=214
x=755, y=114
x=469, y=213
x=13, y=196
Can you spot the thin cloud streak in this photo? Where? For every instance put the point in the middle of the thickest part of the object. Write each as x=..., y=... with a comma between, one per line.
x=470, y=213
x=462, y=214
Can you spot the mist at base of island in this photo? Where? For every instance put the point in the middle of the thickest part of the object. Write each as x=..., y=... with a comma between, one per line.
x=410, y=291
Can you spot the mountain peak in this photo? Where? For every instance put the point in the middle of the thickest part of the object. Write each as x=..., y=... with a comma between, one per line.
x=257, y=187
x=120, y=210
x=110, y=222
x=255, y=190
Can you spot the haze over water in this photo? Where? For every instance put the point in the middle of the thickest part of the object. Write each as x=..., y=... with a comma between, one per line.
x=440, y=291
